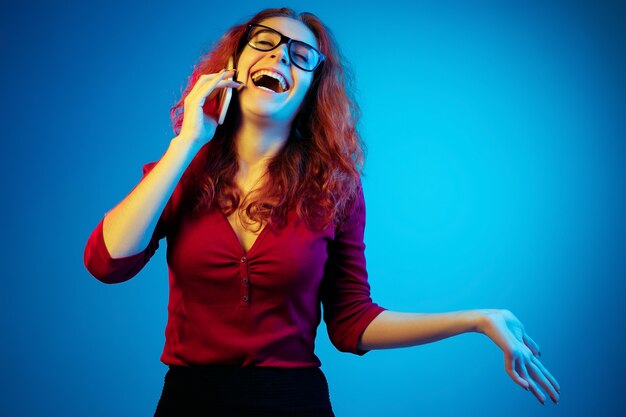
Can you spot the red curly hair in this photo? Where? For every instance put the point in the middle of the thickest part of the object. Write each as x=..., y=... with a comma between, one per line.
x=317, y=171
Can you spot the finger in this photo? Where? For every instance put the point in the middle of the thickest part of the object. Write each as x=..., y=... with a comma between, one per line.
x=209, y=91
x=538, y=376
x=204, y=78
x=203, y=91
x=532, y=345
x=521, y=369
x=226, y=84
x=223, y=74
x=548, y=375
x=207, y=79
x=509, y=366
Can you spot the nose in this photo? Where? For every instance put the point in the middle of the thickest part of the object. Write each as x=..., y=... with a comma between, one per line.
x=282, y=52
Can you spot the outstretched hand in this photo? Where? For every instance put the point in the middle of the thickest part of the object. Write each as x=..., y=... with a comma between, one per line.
x=521, y=353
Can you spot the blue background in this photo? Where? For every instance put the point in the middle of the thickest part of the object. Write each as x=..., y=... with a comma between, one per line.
x=494, y=179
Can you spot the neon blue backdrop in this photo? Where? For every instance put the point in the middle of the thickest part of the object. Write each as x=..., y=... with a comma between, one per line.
x=494, y=179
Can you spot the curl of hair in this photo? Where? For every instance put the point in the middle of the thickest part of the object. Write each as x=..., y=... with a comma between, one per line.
x=318, y=169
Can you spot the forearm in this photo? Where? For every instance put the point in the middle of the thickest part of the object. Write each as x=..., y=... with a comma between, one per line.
x=391, y=329
x=128, y=227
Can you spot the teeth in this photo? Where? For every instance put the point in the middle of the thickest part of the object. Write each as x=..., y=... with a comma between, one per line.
x=265, y=88
x=272, y=74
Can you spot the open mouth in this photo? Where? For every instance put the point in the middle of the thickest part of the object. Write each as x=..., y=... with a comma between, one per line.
x=270, y=81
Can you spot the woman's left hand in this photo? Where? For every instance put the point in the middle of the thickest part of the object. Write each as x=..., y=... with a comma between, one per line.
x=521, y=353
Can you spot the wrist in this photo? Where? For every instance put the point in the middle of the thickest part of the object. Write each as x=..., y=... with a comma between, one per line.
x=184, y=145
x=482, y=319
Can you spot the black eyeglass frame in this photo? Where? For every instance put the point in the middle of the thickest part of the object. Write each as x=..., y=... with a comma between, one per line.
x=288, y=41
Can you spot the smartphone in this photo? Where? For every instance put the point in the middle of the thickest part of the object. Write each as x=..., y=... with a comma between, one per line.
x=225, y=96
x=217, y=104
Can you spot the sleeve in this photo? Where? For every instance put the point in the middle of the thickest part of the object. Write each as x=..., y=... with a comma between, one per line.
x=103, y=267
x=345, y=292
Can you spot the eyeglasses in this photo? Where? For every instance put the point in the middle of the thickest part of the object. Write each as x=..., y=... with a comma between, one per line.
x=303, y=55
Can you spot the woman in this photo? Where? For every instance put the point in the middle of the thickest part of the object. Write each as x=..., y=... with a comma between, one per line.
x=264, y=219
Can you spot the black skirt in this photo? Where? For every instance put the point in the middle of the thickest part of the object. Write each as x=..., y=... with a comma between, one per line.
x=219, y=390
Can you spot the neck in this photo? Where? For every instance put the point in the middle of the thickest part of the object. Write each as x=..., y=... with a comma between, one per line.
x=256, y=143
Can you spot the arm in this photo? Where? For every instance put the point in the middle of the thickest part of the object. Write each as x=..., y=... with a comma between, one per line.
x=392, y=329
x=345, y=291
x=116, y=268
x=129, y=226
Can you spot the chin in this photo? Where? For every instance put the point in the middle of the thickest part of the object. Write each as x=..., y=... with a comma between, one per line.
x=269, y=113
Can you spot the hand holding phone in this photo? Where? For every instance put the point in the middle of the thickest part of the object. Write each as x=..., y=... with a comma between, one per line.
x=205, y=104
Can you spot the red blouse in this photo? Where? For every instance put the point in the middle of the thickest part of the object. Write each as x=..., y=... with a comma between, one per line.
x=260, y=308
